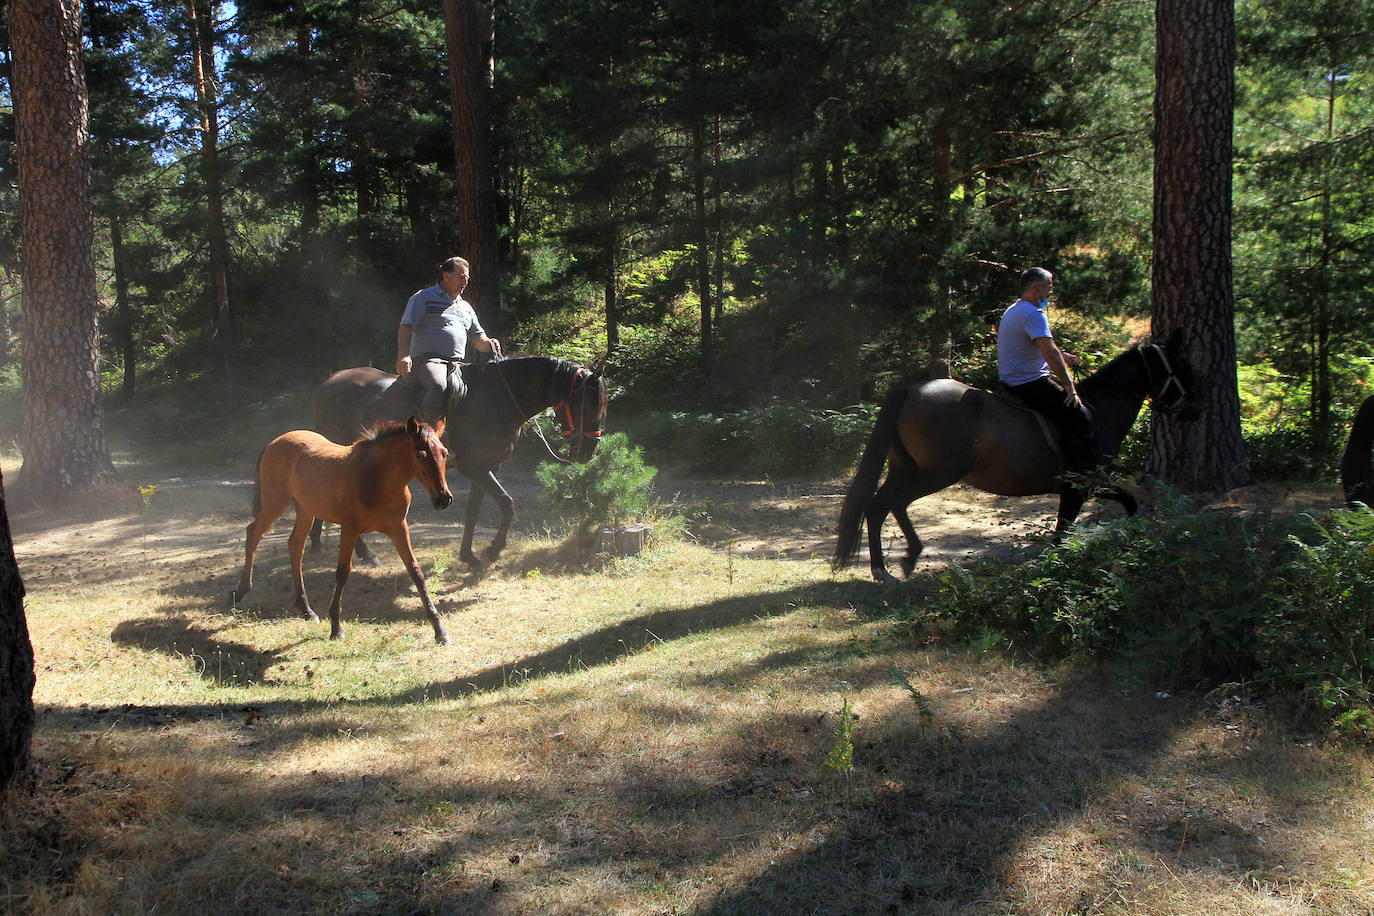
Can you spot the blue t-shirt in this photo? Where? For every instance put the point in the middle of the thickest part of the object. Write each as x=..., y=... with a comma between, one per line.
x=439, y=326
x=1018, y=355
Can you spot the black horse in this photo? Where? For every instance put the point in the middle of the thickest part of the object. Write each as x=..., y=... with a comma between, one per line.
x=935, y=434
x=482, y=428
x=1356, y=477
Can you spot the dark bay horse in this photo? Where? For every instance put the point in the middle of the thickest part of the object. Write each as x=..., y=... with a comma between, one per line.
x=482, y=428
x=360, y=487
x=1357, y=475
x=935, y=434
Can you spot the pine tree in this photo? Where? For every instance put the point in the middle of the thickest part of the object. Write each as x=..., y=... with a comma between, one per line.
x=64, y=437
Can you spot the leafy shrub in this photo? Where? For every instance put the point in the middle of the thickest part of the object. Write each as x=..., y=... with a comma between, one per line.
x=610, y=489
x=1277, y=599
x=779, y=440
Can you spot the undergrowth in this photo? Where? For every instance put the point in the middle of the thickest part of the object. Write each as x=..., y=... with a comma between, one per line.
x=1282, y=601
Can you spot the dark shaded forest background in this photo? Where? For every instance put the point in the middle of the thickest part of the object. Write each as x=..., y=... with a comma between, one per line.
x=767, y=212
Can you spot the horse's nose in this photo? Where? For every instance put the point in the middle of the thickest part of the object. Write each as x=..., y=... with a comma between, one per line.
x=443, y=500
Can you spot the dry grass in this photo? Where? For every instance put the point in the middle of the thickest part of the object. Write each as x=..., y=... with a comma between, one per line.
x=646, y=737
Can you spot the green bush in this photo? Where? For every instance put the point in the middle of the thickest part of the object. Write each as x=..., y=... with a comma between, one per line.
x=1281, y=600
x=610, y=489
x=781, y=440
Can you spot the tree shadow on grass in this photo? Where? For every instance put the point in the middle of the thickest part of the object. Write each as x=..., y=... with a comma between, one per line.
x=222, y=661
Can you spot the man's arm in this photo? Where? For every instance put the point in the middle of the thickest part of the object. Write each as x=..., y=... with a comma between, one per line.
x=486, y=344
x=403, y=334
x=1054, y=357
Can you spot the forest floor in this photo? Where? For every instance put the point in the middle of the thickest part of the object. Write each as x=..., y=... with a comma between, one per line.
x=655, y=734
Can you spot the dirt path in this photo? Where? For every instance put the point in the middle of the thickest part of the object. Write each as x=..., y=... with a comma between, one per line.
x=189, y=522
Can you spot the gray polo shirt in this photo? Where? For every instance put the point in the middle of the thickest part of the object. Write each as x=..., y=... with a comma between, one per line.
x=439, y=326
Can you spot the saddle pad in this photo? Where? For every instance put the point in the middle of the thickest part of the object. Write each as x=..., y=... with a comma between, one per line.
x=1046, y=429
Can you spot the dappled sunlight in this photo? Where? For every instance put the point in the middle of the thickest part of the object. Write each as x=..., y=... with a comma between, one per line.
x=634, y=735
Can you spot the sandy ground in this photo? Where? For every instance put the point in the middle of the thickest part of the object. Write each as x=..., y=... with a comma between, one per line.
x=188, y=523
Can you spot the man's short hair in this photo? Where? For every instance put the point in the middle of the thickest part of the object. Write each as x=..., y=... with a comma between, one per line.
x=452, y=264
x=1033, y=275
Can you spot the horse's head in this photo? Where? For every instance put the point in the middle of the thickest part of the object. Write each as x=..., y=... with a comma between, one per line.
x=1170, y=376
x=582, y=413
x=430, y=458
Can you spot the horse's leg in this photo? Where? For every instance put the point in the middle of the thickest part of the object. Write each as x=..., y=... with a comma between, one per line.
x=270, y=509
x=913, y=540
x=256, y=529
x=295, y=546
x=474, y=506
x=347, y=537
x=903, y=486
x=504, y=502
x=365, y=554
x=1070, y=503
x=1120, y=495
x=401, y=538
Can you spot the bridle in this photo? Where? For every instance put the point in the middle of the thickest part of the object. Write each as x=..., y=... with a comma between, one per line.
x=1156, y=391
x=575, y=429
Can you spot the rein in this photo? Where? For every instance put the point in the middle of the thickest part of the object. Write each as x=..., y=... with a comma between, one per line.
x=1171, y=380
x=582, y=375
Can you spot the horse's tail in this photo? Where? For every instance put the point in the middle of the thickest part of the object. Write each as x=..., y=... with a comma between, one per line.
x=865, y=482
x=257, y=484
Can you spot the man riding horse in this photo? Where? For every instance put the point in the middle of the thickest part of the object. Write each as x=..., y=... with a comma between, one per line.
x=1029, y=362
x=433, y=336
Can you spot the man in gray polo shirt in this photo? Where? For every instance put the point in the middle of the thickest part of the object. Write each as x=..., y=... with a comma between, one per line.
x=434, y=334
x=1029, y=362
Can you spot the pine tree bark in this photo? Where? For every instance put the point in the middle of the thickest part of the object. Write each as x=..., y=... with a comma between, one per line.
x=1191, y=280
x=16, y=660
x=64, y=425
x=469, y=83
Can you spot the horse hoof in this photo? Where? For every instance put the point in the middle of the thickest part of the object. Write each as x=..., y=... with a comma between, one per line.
x=884, y=577
x=441, y=637
x=475, y=564
x=336, y=634
x=908, y=567
x=491, y=553
x=370, y=560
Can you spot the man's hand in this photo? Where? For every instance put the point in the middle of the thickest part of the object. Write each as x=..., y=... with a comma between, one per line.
x=403, y=366
x=1071, y=398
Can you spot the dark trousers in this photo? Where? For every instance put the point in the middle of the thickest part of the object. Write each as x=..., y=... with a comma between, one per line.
x=1045, y=397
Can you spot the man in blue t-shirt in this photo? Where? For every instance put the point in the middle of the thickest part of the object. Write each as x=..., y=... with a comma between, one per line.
x=434, y=334
x=1029, y=362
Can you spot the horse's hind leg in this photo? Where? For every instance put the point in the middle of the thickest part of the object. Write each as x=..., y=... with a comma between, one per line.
x=259, y=526
x=295, y=547
x=507, y=508
x=401, y=538
x=895, y=495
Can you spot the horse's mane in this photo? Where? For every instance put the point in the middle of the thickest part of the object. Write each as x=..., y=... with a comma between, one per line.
x=1093, y=379
x=386, y=429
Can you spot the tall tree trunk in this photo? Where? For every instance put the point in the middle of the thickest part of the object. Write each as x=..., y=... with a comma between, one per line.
x=469, y=84
x=310, y=160
x=1191, y=281
x=206, y=87
x=64, y=425
x=703, y=245
x=362, y=145
x=16, y=660
x=125, y=317
x=610, y=292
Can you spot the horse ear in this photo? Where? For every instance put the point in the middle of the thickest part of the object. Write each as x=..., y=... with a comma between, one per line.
x=413, y=426
x=439, y=426
x=598, y=366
